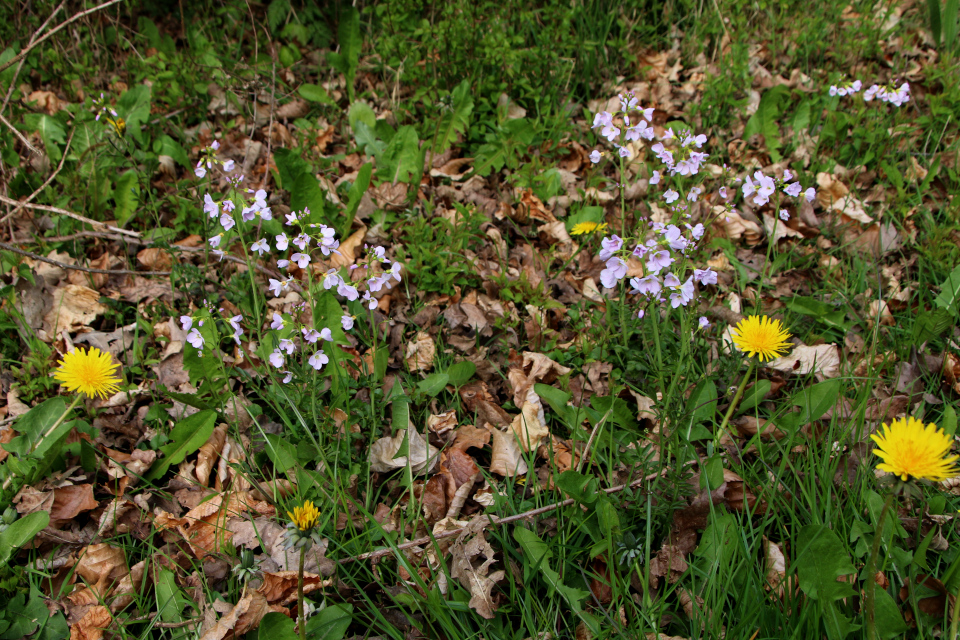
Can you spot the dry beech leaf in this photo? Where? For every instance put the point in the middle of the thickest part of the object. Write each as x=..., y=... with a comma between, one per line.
x=536, y=367
x=205, y=526
x=348, y=249
x=69, y=502
x=209, y=452
x=441, y=423
x=776, y=567
x=530, y=207
x=824, y=359
x=281, y=587
x=420, y=353
x=422, y=455
x=456, y=169
x=528, y=427
x=470, y=563
x=74, y=307
x=244, y=617
x=155, y=259
x=507, y=457
x=45, y=101
x=92, y=625
x=101, y=565
x=128, y=588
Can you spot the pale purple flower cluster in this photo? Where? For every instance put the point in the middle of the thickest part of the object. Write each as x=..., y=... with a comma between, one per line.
x=766, y=186
x=102, y=107
x=195, y=337
x=633, y=129
x=209, y=158
x=896, y=96
x=683, y=159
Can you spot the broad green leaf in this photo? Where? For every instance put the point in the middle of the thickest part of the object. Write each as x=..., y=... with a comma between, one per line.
x=297, y=177
x=361, y=112
x=134, y=107
x=25, y=619
x=51, y=132
x=821, y=559
x=754, y=395
x=816, y=400
x=887, y=616
x=315, y=93
x=20, y=533
x=167, y=146
x=933, y=6
x=949, y=421
x=400, y=409
x=348, y=36
x=535, y=550
x=949, y=292
x=186, y=437
x=718, y=544
x=35, y=423
x=461, y=372
x=276, y=626
x=282, y=453
x=703, y=402
x=434, y=383
x=932, y=324
x=357, y=189
x=580, y=487
x=331, y=623
x=765, y=120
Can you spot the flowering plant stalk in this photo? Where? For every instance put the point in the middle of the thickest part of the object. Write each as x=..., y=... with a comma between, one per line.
x=301, y=535
x=911, y=452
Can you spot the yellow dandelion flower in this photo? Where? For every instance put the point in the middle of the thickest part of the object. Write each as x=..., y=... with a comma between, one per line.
x=91, y=372
x=305, y=517
x=911, y=450
x=761, y=336
x=582, y=228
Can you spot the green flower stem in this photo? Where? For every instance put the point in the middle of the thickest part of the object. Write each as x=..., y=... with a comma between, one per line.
x=955, y=620
x=302, y=621
x=869, y=595
x=735, y=402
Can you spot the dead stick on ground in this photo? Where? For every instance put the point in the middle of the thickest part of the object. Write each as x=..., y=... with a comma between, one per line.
x=45, y=184
x=69, y=214
x=15, y=59
x=494, y=521
x=20, y=136
x=76, y=267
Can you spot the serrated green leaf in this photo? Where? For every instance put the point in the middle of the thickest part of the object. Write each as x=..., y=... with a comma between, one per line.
x=298, y=178
x=754, y=395
x=186, y=437
x=402, y=160
x=357, y=189
x=282, y=454
x=33, y=424
x=126, y=193
x=331, y=623
x=820, y=561
x=949, y=292
x=456, y=119
x=347, y=58
x=134, y=107
x=167, y=146
x=816, y=400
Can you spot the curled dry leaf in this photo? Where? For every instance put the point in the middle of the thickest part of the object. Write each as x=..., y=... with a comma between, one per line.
x=348, y=249
x=244, y=617
x=422, y=456
x=528, y=427
x=155, y=259
x=507, y=458
x=420, y=353
x=470, y=562
x=100, y=565
x=535, y=367
x=441, y=423
x=281, y=587
x=823, y=359
x=74, y=307
x=209, y=453
x=92, y=625
x=776, y=567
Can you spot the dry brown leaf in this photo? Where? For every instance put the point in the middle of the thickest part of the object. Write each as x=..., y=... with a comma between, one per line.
x=470, y=563
x=244, y=617
x=128, y=588
x=822, y=359
x=776, y=566
x=390, y=196
x=422, y=456
x=155, y=259
x=507, y=457
x=209, y=453
x=205, y=526
x=281, y=587
x=456, y=169
x=477, y=398
x=69, y=502
x=441, y=423
x=536, y=367
x=92, y=625
x=348, y=249
x=45, y=101
x=420, y=353
x=530, y=207
x=74, y=307
x=100, y=565
x=528, y=427
x=469, y=436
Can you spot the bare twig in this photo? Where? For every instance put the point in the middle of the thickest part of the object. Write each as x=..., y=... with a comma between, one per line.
x=70, y=214
x=76, y=267
x=33, y=38
x=60, y=26
x=20, y=136
x=493, y=521
x=45, y=184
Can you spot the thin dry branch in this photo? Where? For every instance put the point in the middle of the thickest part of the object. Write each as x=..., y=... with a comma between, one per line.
x=70, y=214
x=22, y=138
x=494, y=520
x=76, y=267
x=45, y=184
x=15, y=59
